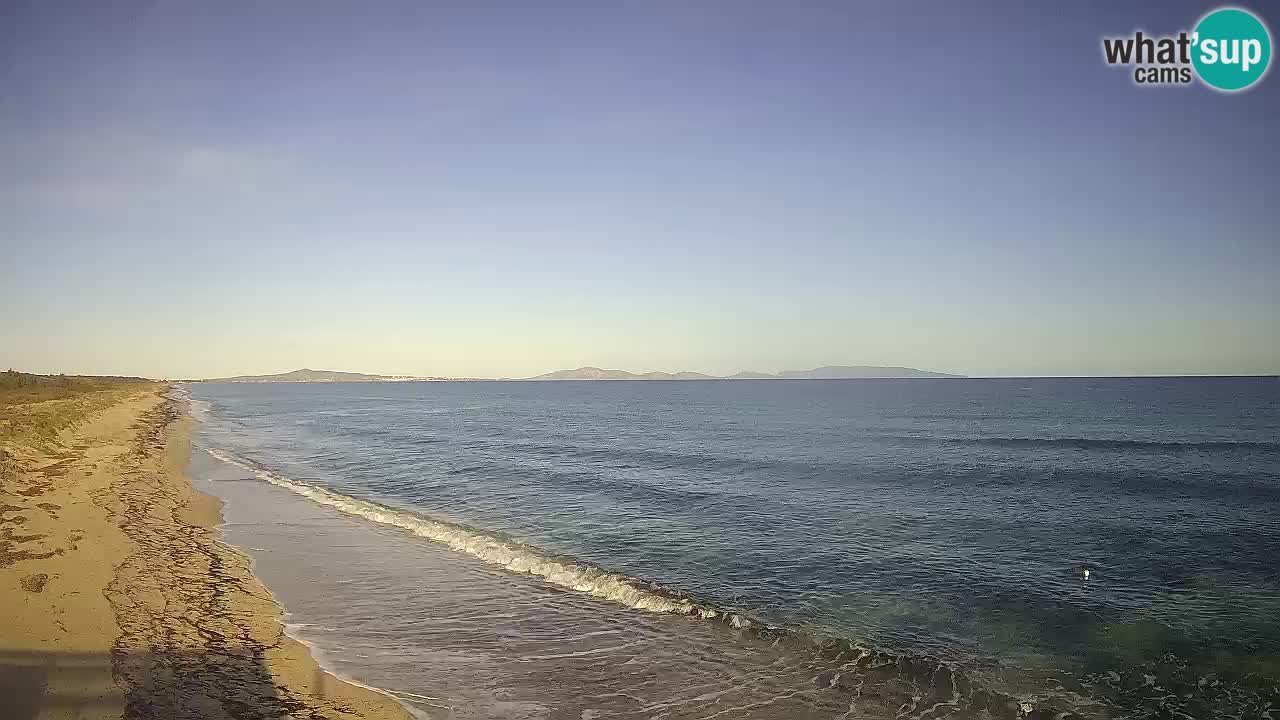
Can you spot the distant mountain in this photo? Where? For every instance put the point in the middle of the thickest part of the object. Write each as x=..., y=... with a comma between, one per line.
x=829, y=372
x=686, y=375
x=309, y=375
x=595, y=373
x=842, y=372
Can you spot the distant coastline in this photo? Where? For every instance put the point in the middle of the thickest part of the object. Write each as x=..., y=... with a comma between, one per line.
x=826, y=372
x=309, y=375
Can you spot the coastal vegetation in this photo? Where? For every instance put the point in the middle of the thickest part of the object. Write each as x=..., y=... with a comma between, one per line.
x=34, y=409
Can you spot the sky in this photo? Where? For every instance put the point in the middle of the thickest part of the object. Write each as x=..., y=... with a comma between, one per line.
x=503, y=189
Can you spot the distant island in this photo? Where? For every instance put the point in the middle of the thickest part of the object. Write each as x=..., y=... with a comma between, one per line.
x=828, y=372
x=309, y=375
x=305, y=375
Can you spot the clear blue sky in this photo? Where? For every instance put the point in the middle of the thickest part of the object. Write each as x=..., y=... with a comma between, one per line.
x=502, y=189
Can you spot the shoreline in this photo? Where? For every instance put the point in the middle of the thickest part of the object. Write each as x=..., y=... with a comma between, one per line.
x=126, y=599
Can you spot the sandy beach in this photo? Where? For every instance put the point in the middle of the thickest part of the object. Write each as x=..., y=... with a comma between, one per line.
x=119, y=597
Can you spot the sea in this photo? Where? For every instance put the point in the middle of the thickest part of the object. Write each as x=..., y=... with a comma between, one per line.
x=887, y=548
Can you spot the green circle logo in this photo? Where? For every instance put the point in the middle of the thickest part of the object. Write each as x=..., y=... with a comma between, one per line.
x=1231, y=49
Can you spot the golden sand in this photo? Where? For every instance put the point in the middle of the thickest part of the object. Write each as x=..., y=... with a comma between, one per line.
x=117, y=595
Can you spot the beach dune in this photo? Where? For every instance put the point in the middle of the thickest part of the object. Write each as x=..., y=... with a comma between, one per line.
x=119, y=597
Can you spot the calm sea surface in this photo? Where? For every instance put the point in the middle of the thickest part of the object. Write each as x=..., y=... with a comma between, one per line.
x=769, y=549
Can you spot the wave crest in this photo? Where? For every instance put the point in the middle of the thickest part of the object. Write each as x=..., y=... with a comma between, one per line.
x=928, y=686
x=513, y=556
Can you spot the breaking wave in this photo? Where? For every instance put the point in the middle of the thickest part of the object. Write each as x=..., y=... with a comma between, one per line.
x=851, y=667
x=928, y=686
x=514, y=556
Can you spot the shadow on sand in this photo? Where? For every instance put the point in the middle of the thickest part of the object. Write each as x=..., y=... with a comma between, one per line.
x=154, y=685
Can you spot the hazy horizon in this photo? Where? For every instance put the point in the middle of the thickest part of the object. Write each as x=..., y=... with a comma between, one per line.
x=641, y=371
x=436, y=190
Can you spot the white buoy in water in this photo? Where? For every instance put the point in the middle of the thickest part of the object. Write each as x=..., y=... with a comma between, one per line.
x=1086, y=573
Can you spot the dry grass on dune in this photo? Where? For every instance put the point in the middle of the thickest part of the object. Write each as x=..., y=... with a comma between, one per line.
x=34, y=409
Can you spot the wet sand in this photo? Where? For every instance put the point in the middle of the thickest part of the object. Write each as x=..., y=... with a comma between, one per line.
x=119, y=596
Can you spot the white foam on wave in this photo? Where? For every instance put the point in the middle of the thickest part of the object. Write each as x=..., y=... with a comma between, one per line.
x=322, y=659
x=515, y=557
x=200, y=409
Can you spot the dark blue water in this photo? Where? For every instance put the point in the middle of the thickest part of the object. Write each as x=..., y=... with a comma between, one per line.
x=947, y=519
